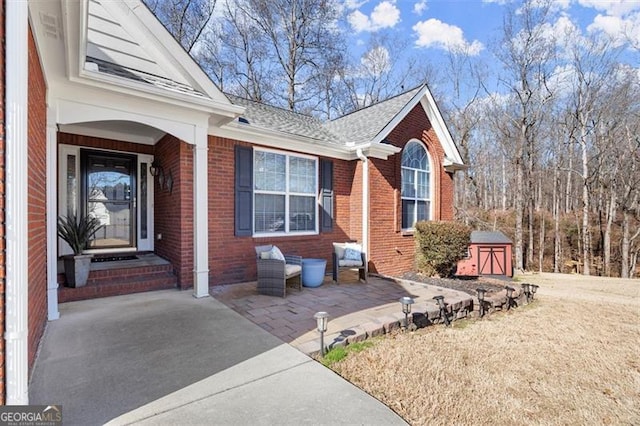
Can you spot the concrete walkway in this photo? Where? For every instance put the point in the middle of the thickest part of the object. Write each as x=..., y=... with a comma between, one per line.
x=167, y=358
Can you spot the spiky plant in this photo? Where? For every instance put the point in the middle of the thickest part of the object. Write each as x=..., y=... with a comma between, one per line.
x=77, y=230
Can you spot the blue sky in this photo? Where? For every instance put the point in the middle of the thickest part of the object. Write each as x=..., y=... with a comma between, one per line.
x=432, y=28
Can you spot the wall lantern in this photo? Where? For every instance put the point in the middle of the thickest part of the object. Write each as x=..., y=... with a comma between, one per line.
x=406, y=302
x=155, y=169
x=481, y=293
x=322, y=319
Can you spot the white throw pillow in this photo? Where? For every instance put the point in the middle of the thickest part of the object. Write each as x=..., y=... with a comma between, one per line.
x=275, y=253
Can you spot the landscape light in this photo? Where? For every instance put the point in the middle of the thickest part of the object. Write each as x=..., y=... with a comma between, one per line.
x=526, y=289
x=443, y=309
x=510, y=291
x=534, y=288
x=481, y=292
x=406, y=302
x=322, y=318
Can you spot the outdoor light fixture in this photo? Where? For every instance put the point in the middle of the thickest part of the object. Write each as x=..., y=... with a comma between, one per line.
x=510, y=291
x=526, y=289
x=322, y=318
x=481, y=292
x=533, y=289
x=155, y=169
x=443, y=309
x=406, y=308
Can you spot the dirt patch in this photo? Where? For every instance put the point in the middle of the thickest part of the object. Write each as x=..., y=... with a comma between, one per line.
x=468, y=286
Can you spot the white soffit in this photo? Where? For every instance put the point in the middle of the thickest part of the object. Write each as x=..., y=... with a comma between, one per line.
x=128, y=131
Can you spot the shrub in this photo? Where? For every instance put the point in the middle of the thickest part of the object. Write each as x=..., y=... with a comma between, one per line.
x=439, y=246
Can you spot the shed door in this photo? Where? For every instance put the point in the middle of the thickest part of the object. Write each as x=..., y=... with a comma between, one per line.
x=492, y=260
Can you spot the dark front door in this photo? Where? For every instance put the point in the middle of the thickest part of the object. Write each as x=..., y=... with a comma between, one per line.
x=492, y=260
x=109, y=195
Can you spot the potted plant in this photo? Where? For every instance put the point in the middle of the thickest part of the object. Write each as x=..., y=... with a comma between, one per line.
x=77, y=231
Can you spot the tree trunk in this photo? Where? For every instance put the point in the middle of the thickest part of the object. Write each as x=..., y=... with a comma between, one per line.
x=557, y=258
x=611, y=213
x=626, y=245
x=541, y=244
x=586, y=240
x=519, y=205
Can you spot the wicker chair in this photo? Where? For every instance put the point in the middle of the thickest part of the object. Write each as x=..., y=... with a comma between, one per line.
x=273, y=273
x=340, y=262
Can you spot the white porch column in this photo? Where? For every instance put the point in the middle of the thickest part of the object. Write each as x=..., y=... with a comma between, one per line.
x=365, y=204
x=16, y=229
x=52, y=215
x=201, y=213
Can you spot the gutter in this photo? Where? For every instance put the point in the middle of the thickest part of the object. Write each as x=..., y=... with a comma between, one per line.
x=365, y=204
x=16, y=228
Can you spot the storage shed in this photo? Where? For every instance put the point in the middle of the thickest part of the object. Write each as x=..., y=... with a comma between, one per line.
x=490, y=253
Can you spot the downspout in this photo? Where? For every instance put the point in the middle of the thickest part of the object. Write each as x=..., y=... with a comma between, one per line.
x=365, y=204
x=16, y=229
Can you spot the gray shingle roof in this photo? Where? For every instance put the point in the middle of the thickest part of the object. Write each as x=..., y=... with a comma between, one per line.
x=489, y=237
x=282, y=120
x=357, y=127
x=365, y=124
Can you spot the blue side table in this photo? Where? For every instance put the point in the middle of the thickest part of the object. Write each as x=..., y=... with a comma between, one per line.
x=313, y=272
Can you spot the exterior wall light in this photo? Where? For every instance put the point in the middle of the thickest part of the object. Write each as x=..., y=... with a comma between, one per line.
x=443, y=309
x=406, y=302
x=481, y=292
x=322, y=319
x=510, y=291
x=155, y=169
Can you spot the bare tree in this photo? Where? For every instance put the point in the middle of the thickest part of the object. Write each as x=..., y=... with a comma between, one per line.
x=186, y=20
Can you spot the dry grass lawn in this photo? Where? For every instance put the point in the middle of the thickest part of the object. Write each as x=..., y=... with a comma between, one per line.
x=572, y=357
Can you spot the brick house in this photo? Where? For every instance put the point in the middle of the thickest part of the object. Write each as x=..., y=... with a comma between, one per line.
x=104, y=112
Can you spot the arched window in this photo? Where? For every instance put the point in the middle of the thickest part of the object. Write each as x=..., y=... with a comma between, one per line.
x=416, y=185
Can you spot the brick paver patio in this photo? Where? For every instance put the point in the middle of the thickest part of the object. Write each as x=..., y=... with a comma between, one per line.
x=357, y=310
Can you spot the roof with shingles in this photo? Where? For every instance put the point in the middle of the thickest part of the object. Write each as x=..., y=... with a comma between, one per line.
x=365, y=124
x=285, y=121
x=358, y=127
x=489, y=237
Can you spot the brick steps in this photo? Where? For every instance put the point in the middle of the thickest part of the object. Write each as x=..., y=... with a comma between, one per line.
x=119, y=281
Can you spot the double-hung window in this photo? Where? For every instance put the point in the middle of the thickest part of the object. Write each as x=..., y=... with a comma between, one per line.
x=285, y=193
x=416, y=185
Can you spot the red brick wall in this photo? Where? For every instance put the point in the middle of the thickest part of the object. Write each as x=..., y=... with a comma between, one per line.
x=231, y=258
x=37, y=209
x=391, y=251
x=100, y=143
x=2, y=205
x=174, y=210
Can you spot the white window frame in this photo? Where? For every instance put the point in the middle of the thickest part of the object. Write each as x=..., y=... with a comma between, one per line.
x=287, y=194
x=415, y=171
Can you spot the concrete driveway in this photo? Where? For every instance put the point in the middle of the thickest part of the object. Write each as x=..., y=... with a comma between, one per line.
x=167, y=358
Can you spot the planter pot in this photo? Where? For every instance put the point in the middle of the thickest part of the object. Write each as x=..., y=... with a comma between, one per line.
x=313, y=272
x=76, y=269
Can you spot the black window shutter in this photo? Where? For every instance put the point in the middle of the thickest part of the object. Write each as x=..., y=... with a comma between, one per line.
x=244, y=191
x=326, y=195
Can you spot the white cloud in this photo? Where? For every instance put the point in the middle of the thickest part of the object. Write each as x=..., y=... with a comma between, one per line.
x=619, y=29
x=435, y=33
x=354, y=4
x=612, y=7
x=384, y=15
x=420, y=7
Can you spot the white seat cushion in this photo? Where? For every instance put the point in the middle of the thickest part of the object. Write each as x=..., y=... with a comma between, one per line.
x=290, y=270
x=349, y=263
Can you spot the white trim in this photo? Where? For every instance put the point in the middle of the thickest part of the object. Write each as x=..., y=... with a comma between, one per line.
x=16, y=211
x=52, y=236
x=201, y=214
